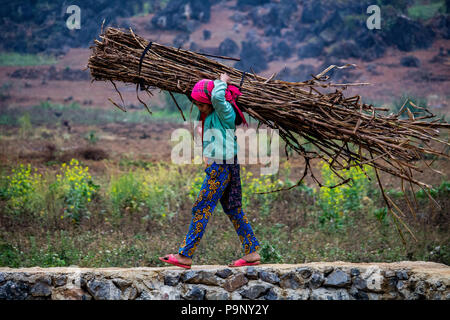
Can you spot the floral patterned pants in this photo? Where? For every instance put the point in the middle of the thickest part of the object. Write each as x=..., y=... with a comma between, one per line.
x=218, y=177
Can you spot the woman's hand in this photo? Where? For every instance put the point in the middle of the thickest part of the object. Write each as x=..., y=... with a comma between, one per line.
x=224, y=77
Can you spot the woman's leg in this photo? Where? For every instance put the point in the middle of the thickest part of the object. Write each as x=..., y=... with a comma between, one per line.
x=216, y=180
x=243, y=229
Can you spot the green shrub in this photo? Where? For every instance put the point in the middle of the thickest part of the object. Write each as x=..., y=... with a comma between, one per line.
x=335, y=203
x=269, y=254
x=76, y=187
x=24, y=190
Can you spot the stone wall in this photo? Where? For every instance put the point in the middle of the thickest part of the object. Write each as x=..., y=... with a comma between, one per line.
x=312, y=281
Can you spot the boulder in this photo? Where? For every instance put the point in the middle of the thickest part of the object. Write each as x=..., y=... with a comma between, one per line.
x=280, y=50
x=407, y=34
x=252, y=56
x=312, y=12
x=228, y=47
x=311, y=49
x=182, y=15
x=410, y=62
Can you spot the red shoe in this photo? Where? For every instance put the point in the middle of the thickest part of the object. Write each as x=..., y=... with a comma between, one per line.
x=173, y=260
x=242, y=263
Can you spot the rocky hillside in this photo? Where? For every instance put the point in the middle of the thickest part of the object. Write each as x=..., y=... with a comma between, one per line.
x=262, y=31
x=294, y=39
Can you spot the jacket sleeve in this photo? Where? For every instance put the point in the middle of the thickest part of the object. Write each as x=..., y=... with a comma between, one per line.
x=221, y=106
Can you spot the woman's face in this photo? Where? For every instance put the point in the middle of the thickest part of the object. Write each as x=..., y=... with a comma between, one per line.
x=204, y=107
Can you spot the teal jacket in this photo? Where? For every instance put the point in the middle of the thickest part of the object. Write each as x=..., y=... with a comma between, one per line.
x=219, y=127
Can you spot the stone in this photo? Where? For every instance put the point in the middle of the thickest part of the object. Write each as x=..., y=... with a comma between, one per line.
x=290, y=280
x=60, y=280
x=201, y=277
x=251, y=273
x=328, y=270
x=269, y=277
x=224, y=273
x=337, y=278
x=389, y=273
x=14, y=290
x=64, y=293
x=228, y=47
x=181, y=15
x=188, y=275
x=41, y=289
x=2, y=277
x=217, y=294
x=311, y=49
x=180, y=40
x=408, y=34
x=254, y=291
x=374, y=279
x=410, y=62
x=130, y=293
x=103, y=290
x=235, y=282
x=122, y=284
x=312, y=12
x=252, y=55
x=171, y=279
x=194, y=293
x=359, y=283
x=345, y=49
x=206, y=34
x=163, y=293
x=402, y=274
x=373, y=296
x=144, y=296
x=305, y=272
x=354, y=272
x=357, y=294
x=298, y=294
x=329, y=294
x=420, y=289
x=316, y=280
x=271, y=295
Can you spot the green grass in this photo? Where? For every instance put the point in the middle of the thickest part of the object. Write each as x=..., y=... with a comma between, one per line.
x=141, y=213
x=50, y=113
x=25, y=59
x=425, y=11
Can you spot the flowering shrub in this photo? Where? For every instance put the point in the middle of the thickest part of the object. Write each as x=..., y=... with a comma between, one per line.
x=22, y=189
x=336, y=202
x=77, y=189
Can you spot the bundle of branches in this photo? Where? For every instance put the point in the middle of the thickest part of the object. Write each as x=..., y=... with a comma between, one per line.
x=344, y=131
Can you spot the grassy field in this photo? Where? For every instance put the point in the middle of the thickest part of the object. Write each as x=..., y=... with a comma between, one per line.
x=23, y=59
x=126, y=210
x=130, y=216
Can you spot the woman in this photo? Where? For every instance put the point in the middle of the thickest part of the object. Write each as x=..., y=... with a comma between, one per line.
x=222, y=182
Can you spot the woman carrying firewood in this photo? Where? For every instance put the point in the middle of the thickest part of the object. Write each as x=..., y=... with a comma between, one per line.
x=219, y=115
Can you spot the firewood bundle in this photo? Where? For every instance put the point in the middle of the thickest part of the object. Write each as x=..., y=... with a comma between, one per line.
x=343, y=131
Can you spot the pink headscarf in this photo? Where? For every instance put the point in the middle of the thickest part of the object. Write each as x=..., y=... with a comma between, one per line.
x=202, y=92
x=198, y=92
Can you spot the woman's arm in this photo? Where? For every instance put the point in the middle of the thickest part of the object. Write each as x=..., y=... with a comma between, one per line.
x=221, y=106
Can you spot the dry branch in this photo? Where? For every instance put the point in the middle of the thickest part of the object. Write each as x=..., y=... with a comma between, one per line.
x=315, y=111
